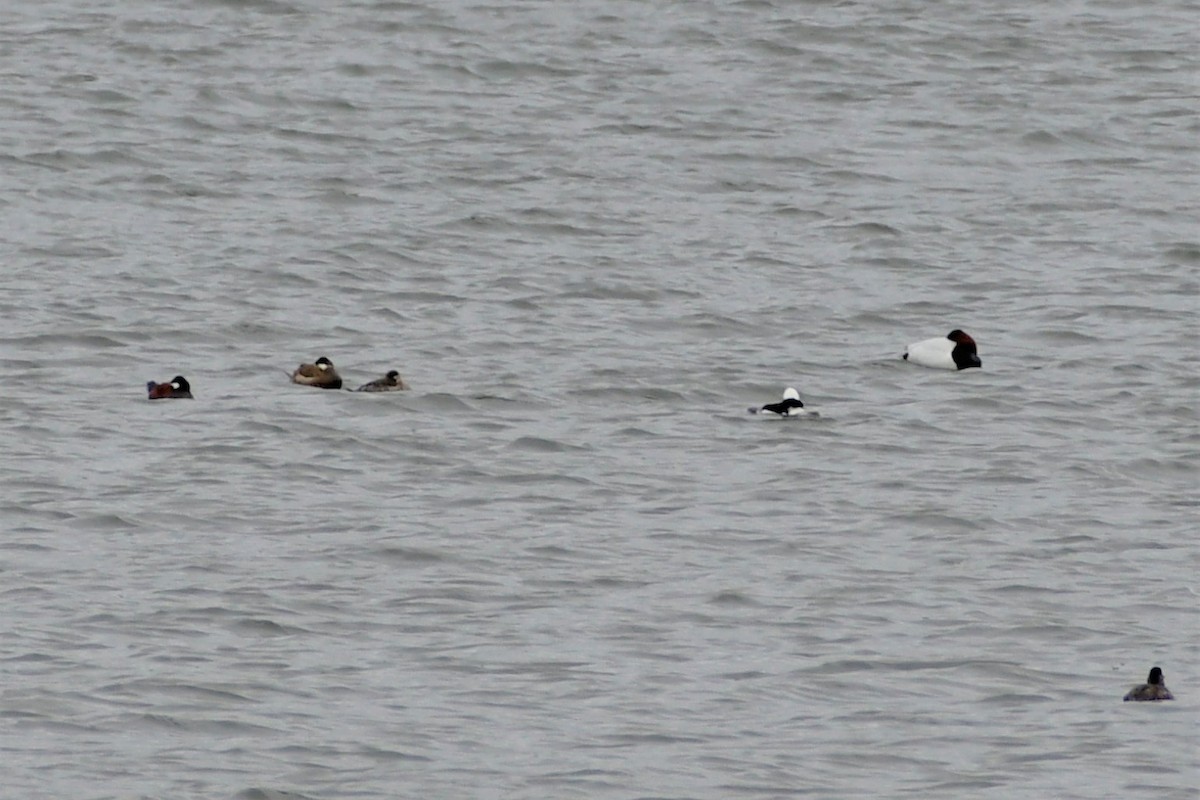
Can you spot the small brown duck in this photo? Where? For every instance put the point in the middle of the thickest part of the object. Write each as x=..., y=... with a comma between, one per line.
x=392, y=382
x=177, y=388
x=1153, y=689
x=321, y=375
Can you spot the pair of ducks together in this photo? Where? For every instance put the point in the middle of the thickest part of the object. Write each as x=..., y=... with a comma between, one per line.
x=956, y=350
x=321, y=374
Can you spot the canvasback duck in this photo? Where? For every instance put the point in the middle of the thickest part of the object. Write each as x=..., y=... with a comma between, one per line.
x=956, y=350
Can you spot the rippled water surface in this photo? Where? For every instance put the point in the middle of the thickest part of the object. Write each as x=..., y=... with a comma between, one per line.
x=567, y=563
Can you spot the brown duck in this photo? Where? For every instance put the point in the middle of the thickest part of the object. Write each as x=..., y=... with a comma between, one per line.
x=392, y=382
x=321, y=375
x=1155, y=688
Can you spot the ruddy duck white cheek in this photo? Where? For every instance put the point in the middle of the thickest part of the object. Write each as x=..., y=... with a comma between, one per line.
x=174, y=385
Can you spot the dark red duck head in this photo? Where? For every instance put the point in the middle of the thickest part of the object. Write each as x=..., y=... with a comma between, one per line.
x=177, y=388
x=965, y=354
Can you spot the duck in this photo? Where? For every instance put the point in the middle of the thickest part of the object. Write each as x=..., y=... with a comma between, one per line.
x=954, y=351
x=789, y=406
x=392, y=382
x=321, y=375
x=177, y=389
x=1153, y=689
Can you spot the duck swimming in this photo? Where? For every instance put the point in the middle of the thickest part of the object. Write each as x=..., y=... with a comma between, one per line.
x=177, y=389
x=1153, y=689
x=956, y=350
x=392, y=382
x=789, y=406
x=321, y=375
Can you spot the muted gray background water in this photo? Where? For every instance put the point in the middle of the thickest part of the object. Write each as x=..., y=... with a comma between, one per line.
x=567, y=563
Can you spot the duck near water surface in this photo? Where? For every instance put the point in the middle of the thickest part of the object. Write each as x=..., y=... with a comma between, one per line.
x=1155, y=688
x=392, y=382
x=955, y=350
x=789, y=406
x=322, y=375
x=177, y=389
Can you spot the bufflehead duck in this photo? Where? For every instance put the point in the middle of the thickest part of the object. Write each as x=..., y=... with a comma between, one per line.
x=392, y=382
x=178, y=388
x=1153, y=689
x=789, y=406
x=955, y=351
x=321, y=374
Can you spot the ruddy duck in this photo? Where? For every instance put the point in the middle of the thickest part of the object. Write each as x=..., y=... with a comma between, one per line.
x=178, y=388
x=1153, y=689
x=321, y=375
x=392, y=382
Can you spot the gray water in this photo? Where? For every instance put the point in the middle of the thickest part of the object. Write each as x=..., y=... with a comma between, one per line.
x=567, y=563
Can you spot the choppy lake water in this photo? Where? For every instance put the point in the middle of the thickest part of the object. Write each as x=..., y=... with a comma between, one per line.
x=567, y=563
